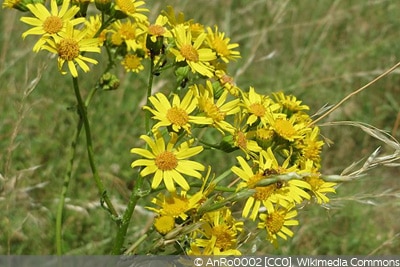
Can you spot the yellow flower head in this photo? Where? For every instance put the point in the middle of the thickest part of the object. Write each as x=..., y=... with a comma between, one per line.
x=279, y=192
x=158, y=28
x=177, y=205
x=69, y=45
x=217, y=41
x=218, y=234
x=168, y=163
x=177, y=113
x=191, y=52
x=133, y=63
x=48, y=23
x=258, y=107
x=216, y=109
x=164, y=224
x=289, y=102
x=132, y=8
x=275, y=222
x=228, y=83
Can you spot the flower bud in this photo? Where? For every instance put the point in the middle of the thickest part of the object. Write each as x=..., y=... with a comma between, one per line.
x=103, y=5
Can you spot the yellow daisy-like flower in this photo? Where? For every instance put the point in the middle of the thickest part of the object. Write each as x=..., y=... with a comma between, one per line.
x=196, y=57
x=217, y=41
x=318, y=186
x=311, y=146
x=279, y=192
x=50, y=23
x=218, y=109
x=132, y=8
x=258, y=107
x=128, y=32
x=288, y=129
x=69, y=45
x=168, y=163
x=176, y=114
x=265, y=195
x=289, y=102
x=218, y=233
x=93, y=25
x=158, y=29
x=133, y=63
x=276, y=223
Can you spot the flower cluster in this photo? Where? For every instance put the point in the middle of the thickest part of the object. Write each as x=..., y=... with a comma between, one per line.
x=277, y=146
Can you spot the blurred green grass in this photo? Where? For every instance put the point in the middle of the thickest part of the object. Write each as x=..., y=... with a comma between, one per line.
x=318, y=50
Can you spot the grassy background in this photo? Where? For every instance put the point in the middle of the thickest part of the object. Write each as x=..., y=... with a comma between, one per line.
x=318, y=50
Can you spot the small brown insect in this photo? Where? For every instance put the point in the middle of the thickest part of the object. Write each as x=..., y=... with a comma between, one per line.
x=279, y=185
x=268, y=172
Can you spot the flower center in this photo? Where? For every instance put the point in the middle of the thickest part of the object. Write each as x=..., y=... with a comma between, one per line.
x=127, y=6
x=213, y=111
x=166, y=161
x=189, y=53
x=224, y=236
x=174, y=206
x=164, y=224
x=284, y=128
x=157, y=30
x=127, y=31
x=132, y=62
x=220, y=46
x=52, y=24
x=68, y=49
x=251, y=183
x=241, y=140
x=274, y=222
x=263, y=193
x=257, y=109
x=177, y=116
x=315, y=182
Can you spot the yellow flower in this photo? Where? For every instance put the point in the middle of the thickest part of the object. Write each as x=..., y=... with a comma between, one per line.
x=289, y=102
x=227, y=82
x=197, y=58
x=318, y=186
x=50, y=23
x=164, y=224
x=258, y=107
x=177, y=205
x=168, y=163
x=289, y=129
x=218, y=233
x=218, y=110
x=158, y=28
x=133, y=63
x=128, y=32
x=176, y=114
x=279, y=192
x=69, y=45
x=275, y=222
x=132, y=8
x=217, y=41
x=311, y=147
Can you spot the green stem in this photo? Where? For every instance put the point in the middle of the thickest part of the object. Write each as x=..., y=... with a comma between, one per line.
x=89, y=146
x=136, y=192
x=149, y=89
x=64, y=189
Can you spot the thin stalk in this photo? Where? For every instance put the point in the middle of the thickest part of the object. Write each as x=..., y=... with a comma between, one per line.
x=136, y=192
x=67, y=178
x=89, y=146
x=355, y=92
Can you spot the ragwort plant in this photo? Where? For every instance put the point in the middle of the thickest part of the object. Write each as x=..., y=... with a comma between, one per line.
x=198, y=211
